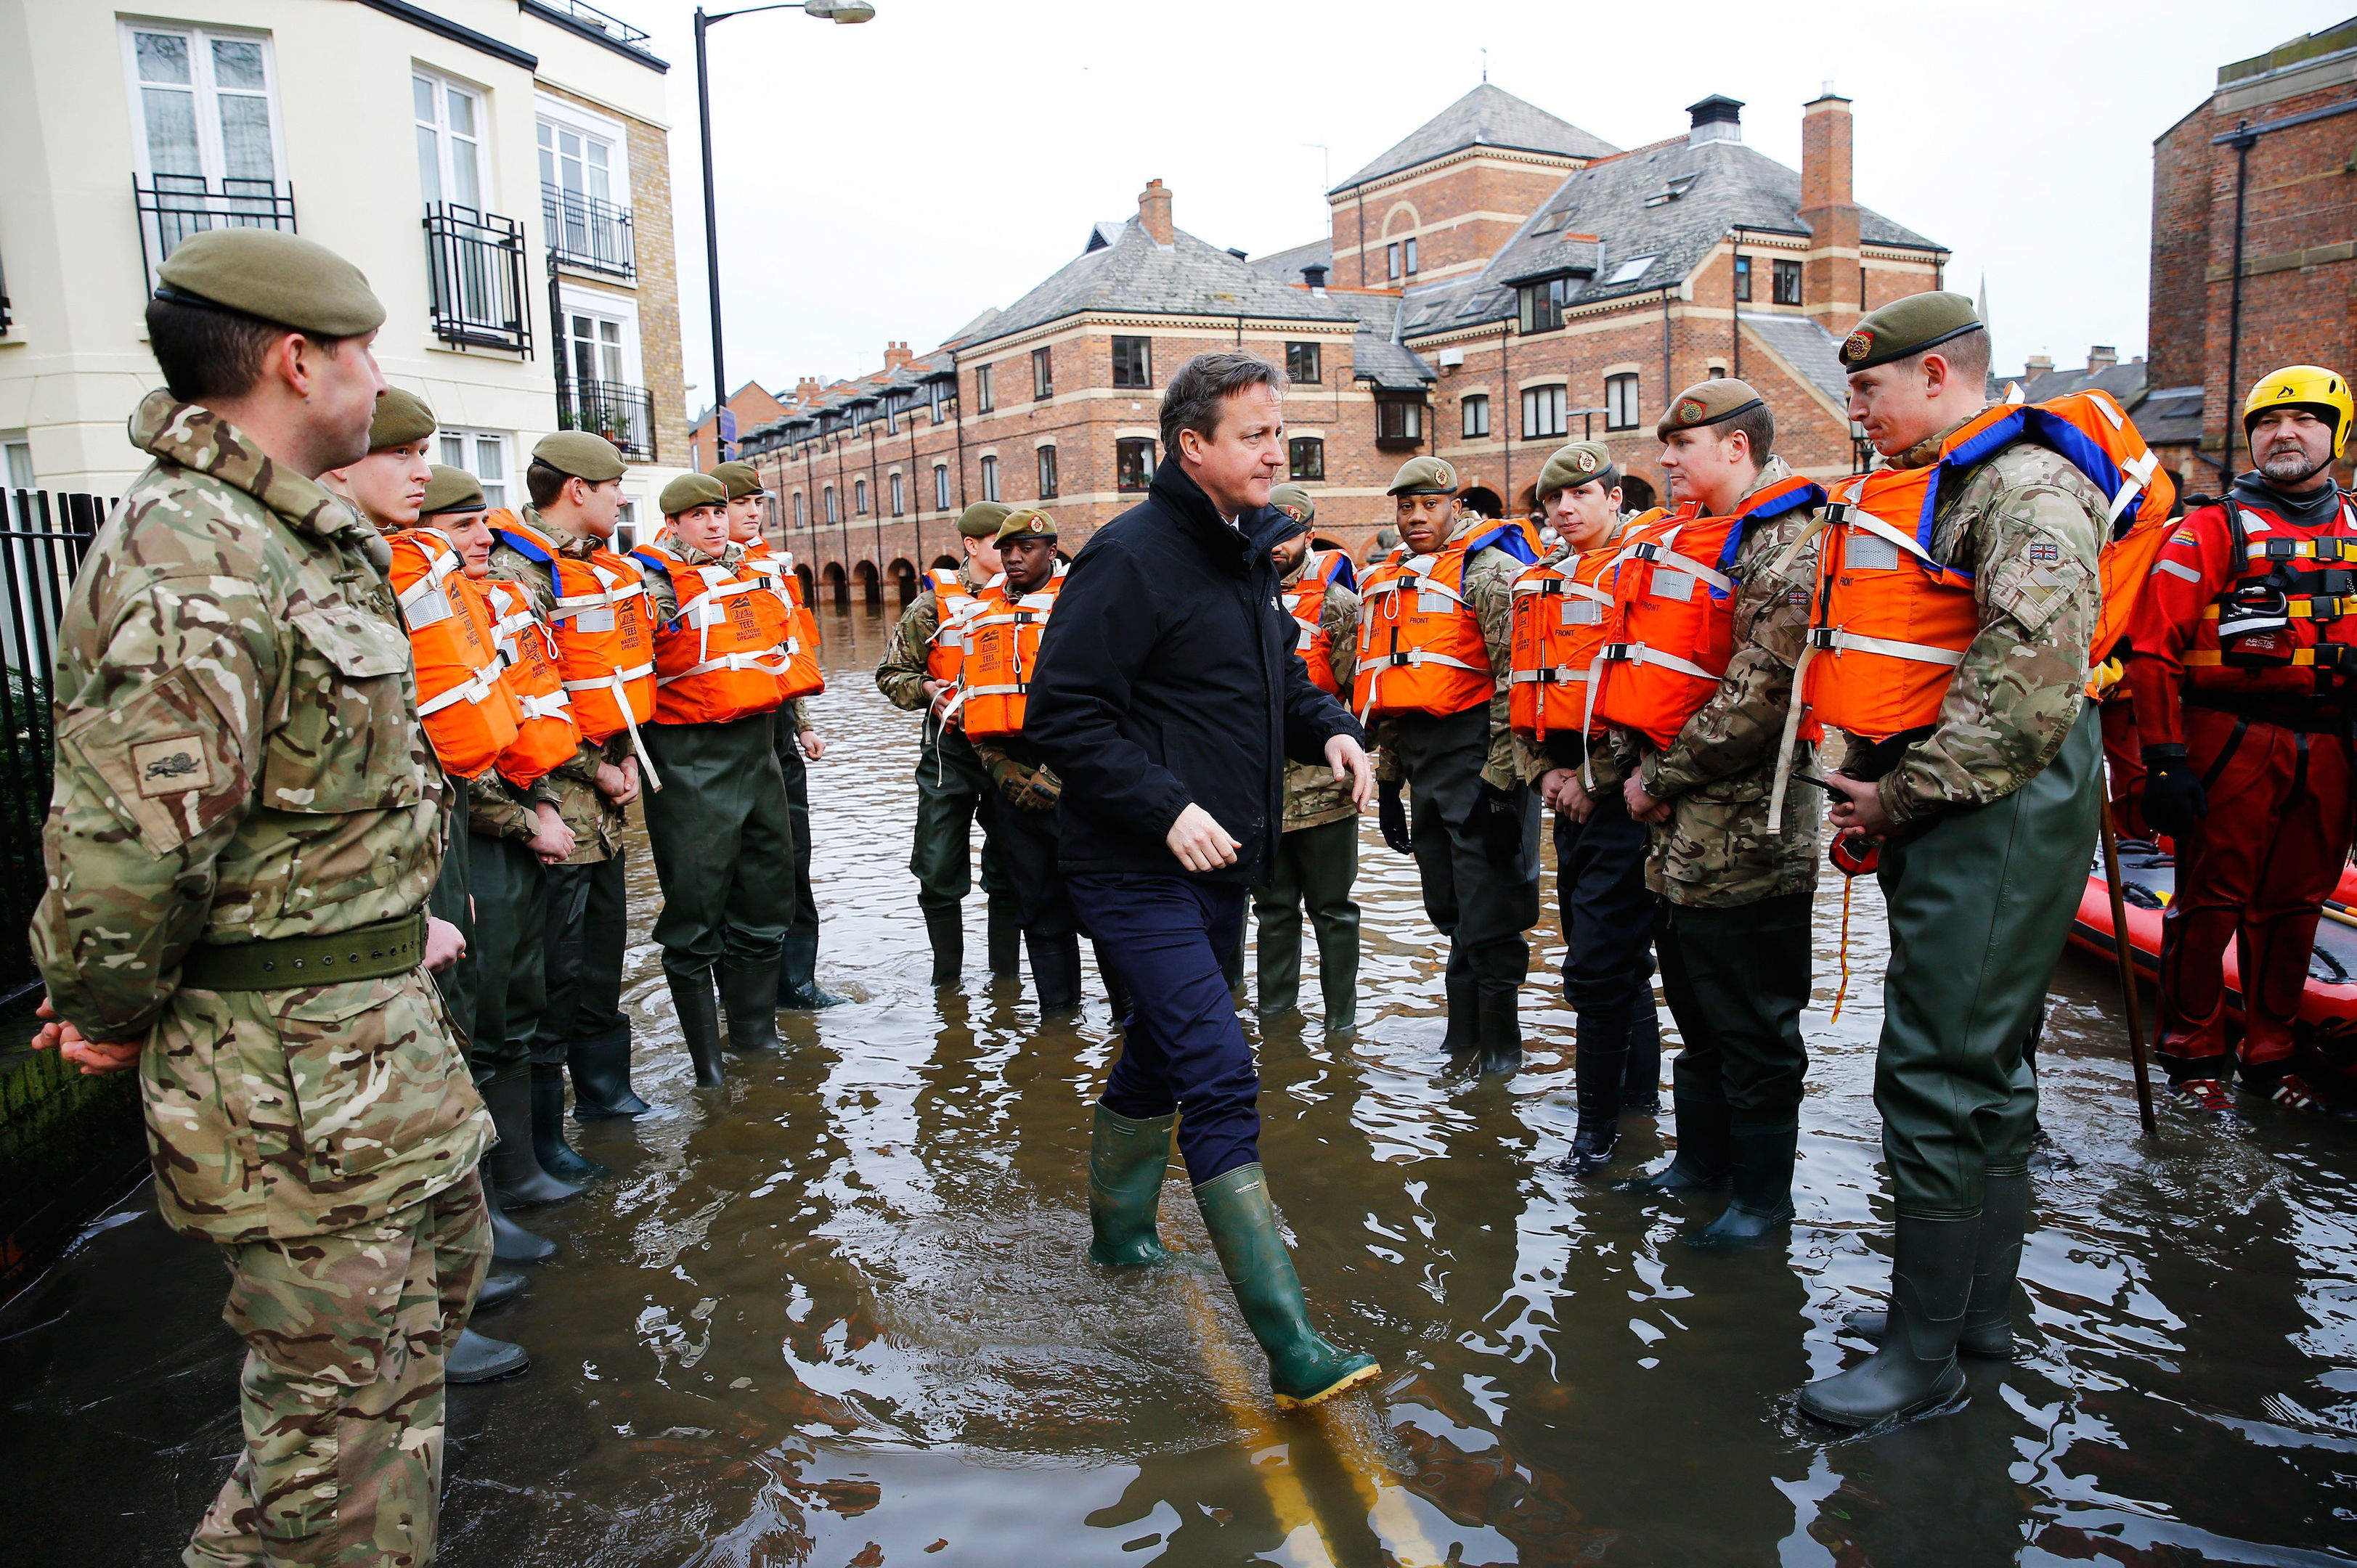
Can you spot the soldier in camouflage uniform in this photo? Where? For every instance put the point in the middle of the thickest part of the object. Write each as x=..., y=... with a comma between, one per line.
x=1737, y=888
x=244, y=831
x=1988, y=820
x=1317, y=860
x=952, y=787
x=1475, y=835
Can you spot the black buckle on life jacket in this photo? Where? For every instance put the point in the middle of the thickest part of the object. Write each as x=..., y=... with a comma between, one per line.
x=1616, y=650
x=2327, y=548
x=1400, y=659
x=1646, y=550
x=1837, y=513
x=2338, y=656
x=1821, y=636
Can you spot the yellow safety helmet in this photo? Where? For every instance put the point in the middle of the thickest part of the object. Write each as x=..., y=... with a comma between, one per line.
x=2309, y=386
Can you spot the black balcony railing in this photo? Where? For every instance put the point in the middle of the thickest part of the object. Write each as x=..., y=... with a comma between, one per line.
x=585, y=232
x=475, y=261
x=623, y=416
x=174, y=206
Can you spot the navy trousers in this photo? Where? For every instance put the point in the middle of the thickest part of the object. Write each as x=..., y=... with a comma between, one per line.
x=1170, y=937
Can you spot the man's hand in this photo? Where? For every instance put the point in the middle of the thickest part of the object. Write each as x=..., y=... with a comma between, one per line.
x=1561, y=789
x=1198, y=841
x=1642, y=806
x=1391, y=813
x=812, y=746
x=554, y=842
x=92, y=1057
x=1348, y=760
x=1497, y=824
x=2174, y=801
x=444, y=945
x=618, y=785
x=1857, y=804
x=938, y=694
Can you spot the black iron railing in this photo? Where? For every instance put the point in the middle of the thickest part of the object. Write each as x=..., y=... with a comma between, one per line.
x=174, y=206
x=585, y=232
x=623, y=416
x=475, y=261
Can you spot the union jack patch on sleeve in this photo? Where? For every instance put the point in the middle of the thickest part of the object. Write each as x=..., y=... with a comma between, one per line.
x=2044, y=552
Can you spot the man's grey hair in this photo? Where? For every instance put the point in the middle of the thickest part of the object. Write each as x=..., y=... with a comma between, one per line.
x=1201, y=388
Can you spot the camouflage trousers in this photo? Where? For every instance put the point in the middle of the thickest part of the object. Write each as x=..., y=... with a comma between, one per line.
x=342, y=1393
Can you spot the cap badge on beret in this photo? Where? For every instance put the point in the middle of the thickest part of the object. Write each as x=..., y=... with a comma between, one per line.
x=1585, y=460
x=1858, y=345
x=1689, y=411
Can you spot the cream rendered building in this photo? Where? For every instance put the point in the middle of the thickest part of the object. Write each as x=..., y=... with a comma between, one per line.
x=496, y=168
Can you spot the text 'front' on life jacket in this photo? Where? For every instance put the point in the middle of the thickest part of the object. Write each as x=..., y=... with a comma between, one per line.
x=800, y=648
x=1305, y=602
x=1420, y=644
x=1674, y=591
x=546, y=735
x=717, y=661
x=470, y=715
x=603, y=620
x=1002, y=651
x=1563, y=618
x=2286, y=625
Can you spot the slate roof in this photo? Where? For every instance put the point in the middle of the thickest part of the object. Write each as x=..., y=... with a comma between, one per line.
x=1807, y=347
x=1487, y=116
x=2170, y=414
x=2124, y=382
x=1186, y=277
x=1717, y=185
x=1286, y=266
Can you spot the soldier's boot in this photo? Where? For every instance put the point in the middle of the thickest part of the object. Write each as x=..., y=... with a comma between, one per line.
x=498, y=1291
x=1464, y=1034
x=1303, y=1368
x=699, y=1022
x=1641, y=1076
x=1701, y=1164
x=1117, y=995
x=1006, y=941
x=1502, y=1030
x=1987, y=1334
x=479, y=1358
x=1598, y=1132
x=557, y=1157
x=1055, y=973
x=1127, y=1160
x=1338, y=979
x=1914, y=1372
x=748, y=994
x=512, y=1166
x=945, y=932
x=601, y=1077
x=797, y=986
x=1278, y=966
x=1760, y=1171
x=510, y=1242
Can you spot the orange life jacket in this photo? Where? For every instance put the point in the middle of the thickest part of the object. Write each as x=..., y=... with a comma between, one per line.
x=546, y=735
x=1563, y=618
x=1420, y=646
x=717, y=659
x=471, y=717
x=1674, y=589
x=954, y=607
x=604, y=620
x=1891, y=623
x=800, y=649
x=1002, y=646
x=1305, y=602
x=2287, y=626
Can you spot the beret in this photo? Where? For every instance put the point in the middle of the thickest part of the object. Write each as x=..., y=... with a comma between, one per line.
x=1025, y=522
x=1906, y=326
x=451, y=489
x=1577, y=464
x=280, y=277
x=1707, y=402
x=401, y=418
x=1424, y=476
x=691, y=490
x=581, y=454
x=981, y=520
x=740, y=479
x=1295, y=502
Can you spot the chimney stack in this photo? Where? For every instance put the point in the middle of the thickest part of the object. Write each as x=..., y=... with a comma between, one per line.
x=1716, y=118
x=1315, y=276
x=1833, y=275
x=896, y=355
x=2102, y=357
x=2036, y=365
x=1154, y=212
x=805, y=390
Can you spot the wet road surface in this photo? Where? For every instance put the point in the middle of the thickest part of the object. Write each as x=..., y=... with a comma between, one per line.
x=839, y=1313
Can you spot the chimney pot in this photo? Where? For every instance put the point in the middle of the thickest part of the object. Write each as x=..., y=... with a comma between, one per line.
x=1716, y=118
x=2037, y=365
x=1315, y=276
x=2102, y=357
x=1154, y=212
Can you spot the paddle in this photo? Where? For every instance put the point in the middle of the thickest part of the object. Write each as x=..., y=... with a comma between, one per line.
x=2121, y=949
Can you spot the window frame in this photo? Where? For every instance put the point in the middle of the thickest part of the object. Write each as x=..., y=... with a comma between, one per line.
x=1786, y=272
x=1139, y=371
x=1399, y=422
x=859, y=497
x=1617, y=416
x=1305, y=364
x=1541, y=304
x=1742, y=283
x=940, y=487
x=600, y=306
x=1408, y=255
x=474, y=441
x=834, y=513
x=984, y=397
x=1547, y=412
x=445, y=87
x=1043, y=374
x=1314, y=448
x=900, y=493
x=1392, y=260
x=1468, y=407
x=1044, y=462
x=203, y=90
x=1126, y=450
x=990, y=478
x=800, y=514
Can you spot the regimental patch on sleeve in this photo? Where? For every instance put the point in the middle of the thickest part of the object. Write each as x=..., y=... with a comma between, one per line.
x=171, y=767
x=2044, y=552
x=2185, y=537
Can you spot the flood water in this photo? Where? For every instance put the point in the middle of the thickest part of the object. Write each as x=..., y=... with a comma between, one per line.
x=840, y=1314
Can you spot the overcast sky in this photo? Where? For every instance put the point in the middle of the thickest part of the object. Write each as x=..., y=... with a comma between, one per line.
x=888, y=181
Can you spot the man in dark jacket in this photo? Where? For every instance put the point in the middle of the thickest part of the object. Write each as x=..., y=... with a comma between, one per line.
x=1167, y=699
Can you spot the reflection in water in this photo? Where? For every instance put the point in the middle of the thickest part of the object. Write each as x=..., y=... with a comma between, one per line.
x=839, y=1311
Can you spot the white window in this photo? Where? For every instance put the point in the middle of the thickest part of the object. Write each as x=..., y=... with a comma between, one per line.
x=576, y=161
x=940, y=487
x=449, y=141
x=483, y=454
x=205, y=102
x=1630, y=270
x=799, y=520
x=899, y=495
x=990, y=478
x=1543, y=412
x=596, y=348
x=16, y=463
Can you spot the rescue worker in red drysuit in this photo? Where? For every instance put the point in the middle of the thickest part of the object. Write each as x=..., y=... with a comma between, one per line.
x=2244, y=675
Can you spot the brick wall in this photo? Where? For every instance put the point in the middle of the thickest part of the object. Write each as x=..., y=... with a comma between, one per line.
x=1452, y=207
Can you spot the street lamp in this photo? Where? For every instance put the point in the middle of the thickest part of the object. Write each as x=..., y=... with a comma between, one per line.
x=843, y=11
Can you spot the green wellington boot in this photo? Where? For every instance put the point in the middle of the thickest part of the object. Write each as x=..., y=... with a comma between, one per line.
x=748, y=995
x=1759, y=1170
x=1499, y=1011
x=1006, y=938
x=1127, y=1161
x=946, y=934
x=557, y=1157
x=1701, y=1165
x=797, y=987
x=1988, y=1316
x=1302, y=1366
x=1915, y=1372
x=1463, y=1036
x=699, y=1022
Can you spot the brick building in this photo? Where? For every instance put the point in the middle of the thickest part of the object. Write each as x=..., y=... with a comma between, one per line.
x=2262, y=170
x=752, y=403
x=1498, y=282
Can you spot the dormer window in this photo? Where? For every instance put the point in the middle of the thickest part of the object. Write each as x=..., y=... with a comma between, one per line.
x=1551, y=222
x=1630, y=270
x=1678, y=186
x=1543, y=302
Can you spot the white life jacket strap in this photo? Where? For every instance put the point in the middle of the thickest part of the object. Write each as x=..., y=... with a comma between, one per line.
x=764, y=662
x=1792, y=715
x=552, y=706
x=1659, y=553
x=476, y=688
x=1639, y=653
x=1840, y=641
x=618, y=683
x=1556, y=675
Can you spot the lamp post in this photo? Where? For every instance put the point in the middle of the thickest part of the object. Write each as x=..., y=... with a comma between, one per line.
x=844, y=11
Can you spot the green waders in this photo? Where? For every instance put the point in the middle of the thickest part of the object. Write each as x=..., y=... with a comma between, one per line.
x=450, y=899
x=953, y=790
x=723, y=838
x=1315, y=867
x=798, y=958
x=509, y=956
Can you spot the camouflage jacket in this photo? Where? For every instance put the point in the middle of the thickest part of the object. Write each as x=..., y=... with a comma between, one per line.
x=2026, y=524
x=902, y=674
x=1312, y=798
x=239, y=759
x=1716, y=850
x=1490, y=589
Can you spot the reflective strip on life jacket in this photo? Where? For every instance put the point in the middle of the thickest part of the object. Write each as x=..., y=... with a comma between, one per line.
x=1559, y=623
x=732, y=672
x=1416, y=656
x=469, y=715
x=545, y=732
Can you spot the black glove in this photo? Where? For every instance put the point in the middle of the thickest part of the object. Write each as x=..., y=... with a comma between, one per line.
x=1391, y=812
x=1497, y=823
x=2174, y=801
